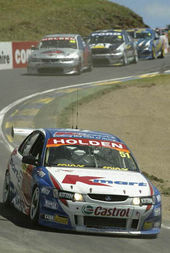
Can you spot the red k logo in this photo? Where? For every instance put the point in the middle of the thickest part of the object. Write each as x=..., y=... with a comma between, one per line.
x=73, y=179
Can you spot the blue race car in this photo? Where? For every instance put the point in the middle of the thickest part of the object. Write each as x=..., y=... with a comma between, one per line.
x=81, y=180
x=149, y=44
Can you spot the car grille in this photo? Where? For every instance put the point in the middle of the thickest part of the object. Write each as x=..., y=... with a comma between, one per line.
x=51, y=70
x=102, y=222
x=49, y=60
x=100, y=51
x=108, y=198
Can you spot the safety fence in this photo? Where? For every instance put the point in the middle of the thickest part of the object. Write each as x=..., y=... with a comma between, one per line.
x=15, y=54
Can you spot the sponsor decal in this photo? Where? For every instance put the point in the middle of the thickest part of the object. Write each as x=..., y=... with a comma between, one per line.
x=61, y=219
x=116, y=212
x=21, y=52
x=87, y=209
x=5, y=55
x=66, y=195
x=56, y=142
x=56, y=218
x=50, y=204
x=73, y=179
x=102, y=211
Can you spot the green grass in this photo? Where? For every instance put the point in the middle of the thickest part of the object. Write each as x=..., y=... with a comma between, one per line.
x=22, y=20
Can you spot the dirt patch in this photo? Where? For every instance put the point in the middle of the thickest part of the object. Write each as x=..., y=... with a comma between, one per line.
x=140, y=115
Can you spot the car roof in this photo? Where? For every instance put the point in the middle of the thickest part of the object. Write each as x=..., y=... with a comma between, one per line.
x=61, y=35
x=77, y=133
x=109, y=30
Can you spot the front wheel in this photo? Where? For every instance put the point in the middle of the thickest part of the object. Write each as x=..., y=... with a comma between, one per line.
x=6, y=190
x=136, y=59
x=34, y=208
x=125, y=60
x=153, y=53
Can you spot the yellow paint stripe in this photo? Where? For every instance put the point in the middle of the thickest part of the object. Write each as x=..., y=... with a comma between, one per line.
x=8, y=124
x=23, y=123
x=148, y=75
x=14, y=113
x=9, y=137
x=71, y=90
x=108, y=83
x=43, y=100
x=28, y=112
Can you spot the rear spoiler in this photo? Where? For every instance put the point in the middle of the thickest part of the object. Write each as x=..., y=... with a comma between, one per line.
x=21, y=131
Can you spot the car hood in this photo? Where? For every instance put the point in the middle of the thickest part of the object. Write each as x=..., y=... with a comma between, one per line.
x=143, y=42
x=54, y=52
x=106, y=45
x=100, y=181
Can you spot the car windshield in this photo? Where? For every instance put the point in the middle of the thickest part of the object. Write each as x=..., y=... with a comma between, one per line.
x=95, y=39
x=132, y=34
x=143, y=35
x=84, y=156
x=58, y=42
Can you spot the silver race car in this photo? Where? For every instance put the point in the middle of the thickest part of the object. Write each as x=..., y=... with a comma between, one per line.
x=60, y=54
x=112, y=47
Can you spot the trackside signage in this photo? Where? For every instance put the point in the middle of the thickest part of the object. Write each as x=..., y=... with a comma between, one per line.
x=20, y=52
x=6, y=55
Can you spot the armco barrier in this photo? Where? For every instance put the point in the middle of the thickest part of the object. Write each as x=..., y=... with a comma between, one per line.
x=15, y=54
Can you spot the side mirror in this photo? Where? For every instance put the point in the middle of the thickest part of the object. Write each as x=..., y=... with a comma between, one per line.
x=29, y=159
x=33, y=47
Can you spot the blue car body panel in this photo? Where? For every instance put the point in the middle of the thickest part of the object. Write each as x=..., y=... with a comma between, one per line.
x=62, y=213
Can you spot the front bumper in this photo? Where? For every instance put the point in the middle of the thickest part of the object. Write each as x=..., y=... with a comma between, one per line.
x=102, y=218
x=52, y=68
x=107, y=59
x=145, y=54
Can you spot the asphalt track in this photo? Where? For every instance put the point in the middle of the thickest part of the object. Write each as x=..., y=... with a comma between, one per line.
x=16, y=234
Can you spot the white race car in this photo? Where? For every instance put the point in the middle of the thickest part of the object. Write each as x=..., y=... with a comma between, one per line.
x=81, y=180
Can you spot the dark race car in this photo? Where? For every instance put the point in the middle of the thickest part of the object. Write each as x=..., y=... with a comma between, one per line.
x=149, y=44
x=81, y=180
x=112, y=47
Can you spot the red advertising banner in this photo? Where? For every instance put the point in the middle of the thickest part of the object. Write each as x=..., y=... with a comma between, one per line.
x=21, y=51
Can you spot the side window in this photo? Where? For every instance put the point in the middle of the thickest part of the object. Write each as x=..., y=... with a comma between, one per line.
x=126, y=38
x=81, y=43
x=37, y=147
x=27, y=144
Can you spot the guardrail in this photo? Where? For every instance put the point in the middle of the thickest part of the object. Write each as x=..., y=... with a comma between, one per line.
x=15, y=54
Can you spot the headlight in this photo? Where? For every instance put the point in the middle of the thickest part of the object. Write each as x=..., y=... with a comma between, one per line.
x=78, y=197
x=140, y=201
x=67, y=59
x=32, y=59
x=136, y=201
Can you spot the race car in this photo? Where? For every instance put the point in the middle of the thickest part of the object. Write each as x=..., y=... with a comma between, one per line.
x=112, y=47
x=81, y=180
x=149, y=44
x=60, y=54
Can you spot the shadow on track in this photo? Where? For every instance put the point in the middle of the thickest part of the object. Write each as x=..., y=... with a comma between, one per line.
x=21, y=220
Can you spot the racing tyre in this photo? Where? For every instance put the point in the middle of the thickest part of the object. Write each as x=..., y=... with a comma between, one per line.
x=6, y=190
x=162, y=53
x=34, y=208
x=136, y=59
x=125, y=60
x=153, y=53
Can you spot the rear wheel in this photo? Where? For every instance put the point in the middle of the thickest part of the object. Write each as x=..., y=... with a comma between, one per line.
x=162, y=53
x=34, y=208
x=6, y=190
